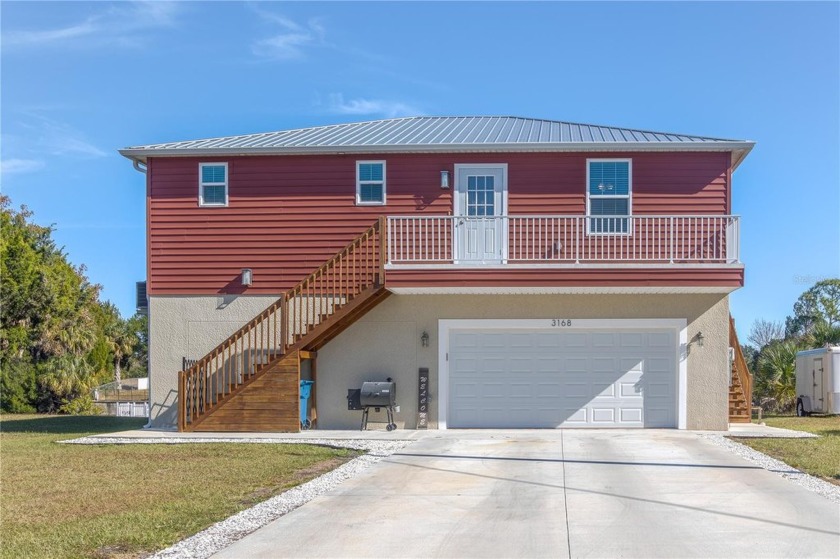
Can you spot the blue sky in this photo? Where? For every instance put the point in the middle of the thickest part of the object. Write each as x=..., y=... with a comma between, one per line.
x=81, y=80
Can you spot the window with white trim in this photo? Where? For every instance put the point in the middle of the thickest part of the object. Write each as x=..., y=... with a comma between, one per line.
x=212, y=184
x=609, y=193
x=370, y=183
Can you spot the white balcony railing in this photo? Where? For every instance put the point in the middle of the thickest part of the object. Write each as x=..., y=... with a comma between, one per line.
x=555, y=239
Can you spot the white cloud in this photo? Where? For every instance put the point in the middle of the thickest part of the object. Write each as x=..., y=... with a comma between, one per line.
x=71, y=143
x=118, y=25
x=47, y=135
x=292, y=40
x=36, y=137
x=390, y=109
x=40, y=37
x=143, y=14
x=20, y=166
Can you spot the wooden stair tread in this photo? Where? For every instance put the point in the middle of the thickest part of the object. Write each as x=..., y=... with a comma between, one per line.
x=740, y=397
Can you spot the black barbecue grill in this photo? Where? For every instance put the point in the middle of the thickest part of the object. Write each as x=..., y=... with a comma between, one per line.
x=376, y=395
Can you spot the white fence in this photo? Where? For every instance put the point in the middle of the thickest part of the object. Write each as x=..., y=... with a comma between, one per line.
x=124, y=409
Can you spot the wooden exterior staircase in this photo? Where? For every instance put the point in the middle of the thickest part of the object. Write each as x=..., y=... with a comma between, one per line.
x=740, y=387
x=250, y=382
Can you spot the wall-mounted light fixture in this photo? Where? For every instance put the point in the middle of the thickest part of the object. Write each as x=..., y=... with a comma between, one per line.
x=424, y=339
x=247, y=277
x=698, y=339
x=444, y=180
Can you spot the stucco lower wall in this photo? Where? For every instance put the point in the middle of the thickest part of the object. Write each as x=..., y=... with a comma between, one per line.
x=189, y=327
x=386, y=343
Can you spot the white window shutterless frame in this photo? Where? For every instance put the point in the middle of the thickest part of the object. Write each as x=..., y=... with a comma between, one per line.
x=480, y=201
x=213, y=184
x=370, y=183
x=609, y=196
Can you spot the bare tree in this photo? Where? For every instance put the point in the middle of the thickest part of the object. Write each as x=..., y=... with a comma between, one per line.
x=765, y=331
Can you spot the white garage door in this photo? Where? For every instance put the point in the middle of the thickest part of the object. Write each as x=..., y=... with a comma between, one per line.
x=538, y=378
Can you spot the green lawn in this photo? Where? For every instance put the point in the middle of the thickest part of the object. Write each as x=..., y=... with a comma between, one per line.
x=819, y=457
x=127, y=500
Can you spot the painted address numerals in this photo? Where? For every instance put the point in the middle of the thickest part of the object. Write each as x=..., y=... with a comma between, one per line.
x=561, y=322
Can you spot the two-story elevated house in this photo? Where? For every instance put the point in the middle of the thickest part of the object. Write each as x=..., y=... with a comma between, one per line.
x=535, y=273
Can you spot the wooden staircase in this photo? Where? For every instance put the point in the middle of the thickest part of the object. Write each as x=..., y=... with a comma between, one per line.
x=250, y=382
x=740, y=387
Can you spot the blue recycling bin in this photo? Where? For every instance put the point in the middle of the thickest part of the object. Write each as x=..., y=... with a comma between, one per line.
x=305, y=391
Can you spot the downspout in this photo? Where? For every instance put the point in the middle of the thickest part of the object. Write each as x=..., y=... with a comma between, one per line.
x=148, y=424
x=142, y=167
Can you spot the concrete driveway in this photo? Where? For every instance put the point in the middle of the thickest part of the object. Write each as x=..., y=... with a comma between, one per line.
x=566, y=493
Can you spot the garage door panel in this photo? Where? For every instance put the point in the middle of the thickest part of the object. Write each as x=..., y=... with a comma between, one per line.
x=630, y=390
x=663, y=340
x=545, y=365
x=465, y=340
x=635, y=364
x=575, y=390
x=602, y=389
x=521, y=341
x=466, y=388
x=659, y=365
x=537, y=378
x=634, y=339
x=493, y=341
x=547, y=339
x=657, y=390
x=630, y=415
x=603, y=415
x=495, y=390
x=658, y=417
x=603, y=339
x=571, y=340
x=520, y=389
x=602, y=365
x=493, y=363
x=574, y=416
x=575, y=365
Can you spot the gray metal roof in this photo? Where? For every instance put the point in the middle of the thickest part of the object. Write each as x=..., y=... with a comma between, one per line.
x=425, y=134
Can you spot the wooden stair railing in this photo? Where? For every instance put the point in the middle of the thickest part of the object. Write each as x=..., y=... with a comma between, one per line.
x=740, y=392
x=298, y=317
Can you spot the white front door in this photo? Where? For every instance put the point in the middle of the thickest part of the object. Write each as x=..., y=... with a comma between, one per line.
x=480, y=200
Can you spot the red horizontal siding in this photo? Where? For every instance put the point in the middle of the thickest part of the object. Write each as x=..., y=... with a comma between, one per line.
x=288, y=214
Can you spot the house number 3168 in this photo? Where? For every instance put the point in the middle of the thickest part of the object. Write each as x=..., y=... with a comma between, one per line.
x=562, y=323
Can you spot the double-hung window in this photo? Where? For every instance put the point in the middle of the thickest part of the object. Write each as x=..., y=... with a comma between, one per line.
x=370, y=183
x=608, y=195
x=212, y=184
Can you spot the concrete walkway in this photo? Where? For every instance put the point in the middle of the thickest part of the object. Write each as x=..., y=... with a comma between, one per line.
x=761, y=431
x=164, y=435
x=582, y=493
x=735, y=430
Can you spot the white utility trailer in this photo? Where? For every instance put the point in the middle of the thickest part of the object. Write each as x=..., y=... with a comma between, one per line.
x=818, y=381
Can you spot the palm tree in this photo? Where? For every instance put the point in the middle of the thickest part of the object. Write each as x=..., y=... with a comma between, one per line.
x=777, y=372
x=824, y=334
x=68, y=376
x=121, y=342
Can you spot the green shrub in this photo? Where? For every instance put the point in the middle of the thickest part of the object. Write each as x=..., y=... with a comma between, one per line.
x=83, y=405
x=17, y=387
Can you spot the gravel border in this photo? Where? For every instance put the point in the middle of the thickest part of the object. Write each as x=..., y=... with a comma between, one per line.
x=222, y=534
x=809, y=482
